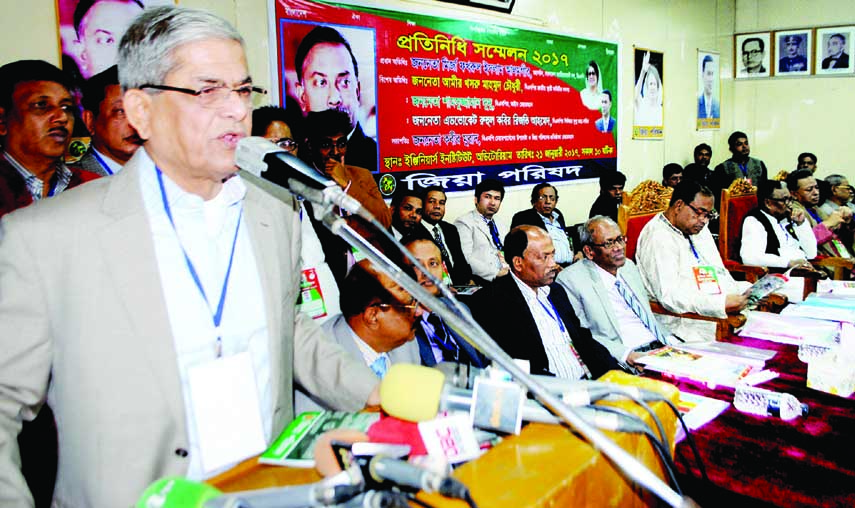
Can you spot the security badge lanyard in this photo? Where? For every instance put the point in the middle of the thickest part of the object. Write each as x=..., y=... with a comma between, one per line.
x=223, y=392
x=554, y=315
x=109, y=171
x=705, y=275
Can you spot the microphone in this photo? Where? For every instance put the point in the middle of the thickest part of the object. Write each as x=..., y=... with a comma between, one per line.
x=256, y=155
x=416, y=393
x=573, y=393
x=403, y=474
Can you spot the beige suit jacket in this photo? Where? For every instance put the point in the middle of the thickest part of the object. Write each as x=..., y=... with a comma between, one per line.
x=83, y=321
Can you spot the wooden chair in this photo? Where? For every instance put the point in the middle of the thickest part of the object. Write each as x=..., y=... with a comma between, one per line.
x=643, y=203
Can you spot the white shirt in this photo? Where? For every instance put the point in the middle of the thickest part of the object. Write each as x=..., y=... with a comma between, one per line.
x=753, y=247
x=556, y=340
x=666, y=261
x=312, y=255
x=206, y=230
x=114, y=167
x=631, y=329
x=563, y=252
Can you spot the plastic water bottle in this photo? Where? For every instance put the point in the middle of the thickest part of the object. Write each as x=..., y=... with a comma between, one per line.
x=758, y=401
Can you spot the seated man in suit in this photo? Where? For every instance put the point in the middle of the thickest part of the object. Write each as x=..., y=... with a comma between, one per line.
x=481, y=234
x=608, y=294
x=544, y=215
x=444, y=234
x=681, y=266
x=437, y=342
x=532, y=319
x=827, y=228
x=773, y=234
x=406, y=210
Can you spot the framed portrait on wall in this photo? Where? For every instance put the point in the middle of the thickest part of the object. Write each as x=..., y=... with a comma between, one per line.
x=834, y=50
x=709, y=91
x=648, y=114
x=793, y=52
x=752, y=55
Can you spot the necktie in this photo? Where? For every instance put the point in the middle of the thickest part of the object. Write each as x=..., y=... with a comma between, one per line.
x=494, y=232
x=437, y=238
x=449, y=348
x=632, y=301
x=379, y=366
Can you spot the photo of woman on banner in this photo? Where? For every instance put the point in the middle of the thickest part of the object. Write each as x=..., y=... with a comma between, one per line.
x=593, y=91
x=648, y=91
x=333, y=68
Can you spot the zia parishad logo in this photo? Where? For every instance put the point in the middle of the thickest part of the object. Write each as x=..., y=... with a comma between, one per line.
x=77, y=148
x=387, y=184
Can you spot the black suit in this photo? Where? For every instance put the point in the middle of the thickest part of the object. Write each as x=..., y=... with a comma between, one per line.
x=460, y=271
x=361, y=150
x=842, y=62
x=501, y=310
x=531, y=217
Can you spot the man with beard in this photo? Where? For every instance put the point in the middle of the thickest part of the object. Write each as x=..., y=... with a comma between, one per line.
x=740, y=165
x=114, y=140
x=611, y=194
x=481, y=235
x=773, y=234
x=826, y=228
x=699, y=170
x=445, y=235
x=406, y=209
x=531, y=318
x=328, y=78
x=545, y=215
x=681, y=266
x=806, y=160
x=37, y=120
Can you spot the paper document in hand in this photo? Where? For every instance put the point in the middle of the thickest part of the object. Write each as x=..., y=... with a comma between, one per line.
x=766, y=285
x=787, y=327
x=709, y=369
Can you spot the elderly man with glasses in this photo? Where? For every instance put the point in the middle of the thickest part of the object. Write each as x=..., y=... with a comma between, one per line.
x=681, y=266
x=609, y=296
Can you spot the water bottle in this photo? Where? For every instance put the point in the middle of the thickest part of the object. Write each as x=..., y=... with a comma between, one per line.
x=758, y=401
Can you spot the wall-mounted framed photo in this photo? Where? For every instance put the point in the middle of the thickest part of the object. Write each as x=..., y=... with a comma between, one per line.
x=834, y=50
x=751, y=55
x=495, y=5
x=709, y=91
x=793, y=52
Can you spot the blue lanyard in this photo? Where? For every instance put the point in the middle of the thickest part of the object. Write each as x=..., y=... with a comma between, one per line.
x=813, y=214
x=555, y=316
x=743, y=168
x=217, y=317
x=695, y=252
x=106, y=167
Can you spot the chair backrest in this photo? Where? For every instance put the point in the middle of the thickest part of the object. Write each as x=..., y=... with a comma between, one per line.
x=736, y=201
x=643, y=203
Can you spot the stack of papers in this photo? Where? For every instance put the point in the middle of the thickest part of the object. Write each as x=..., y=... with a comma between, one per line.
x=710, y=369
x=697, y=411
x=788, y=327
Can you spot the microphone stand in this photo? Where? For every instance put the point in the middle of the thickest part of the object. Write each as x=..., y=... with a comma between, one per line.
x=467, y=328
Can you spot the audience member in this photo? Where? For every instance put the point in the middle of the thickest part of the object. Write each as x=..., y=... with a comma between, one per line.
x=672, y=174
x=608, y=294
x=773, y=234
x=699, y=170
x=545, y=215
x=37, y=120
x=606, y=123
x=437, y=342
x=611, y=193
x=119, y=374
x=805, y=191
x=840, y=194
x=319, y=295
x=740, y=165
x=114, y=141
x=806, y=160
x=406, y=210
x=532, y=319
x=444, y=234
x=481, y=235
x=681, y=266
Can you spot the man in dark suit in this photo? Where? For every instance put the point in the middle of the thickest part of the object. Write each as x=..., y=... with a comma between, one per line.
x=611, y=194
x=445, y=236
x=837, y=57
x=437, y=342
x=532, y=319
x=544, y=214
x=606, y=123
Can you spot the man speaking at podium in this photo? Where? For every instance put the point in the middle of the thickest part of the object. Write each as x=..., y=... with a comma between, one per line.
x=148, y=307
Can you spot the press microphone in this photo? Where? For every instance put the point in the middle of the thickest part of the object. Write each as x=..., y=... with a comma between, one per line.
x=256, y=155
x=416, y=393
x=572, y=392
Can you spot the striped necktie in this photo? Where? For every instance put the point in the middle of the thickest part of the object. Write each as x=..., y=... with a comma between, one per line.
x=632, y=301
x=437, y=238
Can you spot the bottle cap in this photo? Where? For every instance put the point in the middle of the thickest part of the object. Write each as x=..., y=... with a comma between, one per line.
x=805, y=409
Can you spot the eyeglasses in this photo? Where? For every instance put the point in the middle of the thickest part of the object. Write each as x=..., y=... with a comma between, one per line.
x=752, y=52
x=546, y=197
x=286, y=143
x=845, y=188
x=213, y=96
x=704, y=214
x=610, y=244
x=409, y=308
x=327, y=143
x=784, y=201
x=591, y=73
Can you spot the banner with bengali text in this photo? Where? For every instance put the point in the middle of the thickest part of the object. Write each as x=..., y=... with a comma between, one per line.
x=451, y=102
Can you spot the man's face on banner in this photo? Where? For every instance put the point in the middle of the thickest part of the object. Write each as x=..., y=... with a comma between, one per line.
x=328, y=81
x=709, y=77
x=101, y=29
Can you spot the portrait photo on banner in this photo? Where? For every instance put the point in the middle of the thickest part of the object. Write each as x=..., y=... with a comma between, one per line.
x=793, y=52
x=709, y=91
x=834, y=50
x=648, y=99
x=90, y=32
x=752, y=55
x=338, y=72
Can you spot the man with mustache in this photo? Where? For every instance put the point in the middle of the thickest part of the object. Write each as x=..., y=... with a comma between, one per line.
x=328, y=78
x=531, y=318
x=445, y=235
x=155, y=310
x=114, y=140
x=37, y=119
x=681, y=266
x=406, y=210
